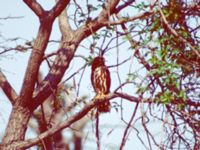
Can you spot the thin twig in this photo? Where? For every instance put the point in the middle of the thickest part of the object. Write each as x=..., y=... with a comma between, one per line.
x=97, y=130
x=127, y=128
x=11, y=17
x=176, y=34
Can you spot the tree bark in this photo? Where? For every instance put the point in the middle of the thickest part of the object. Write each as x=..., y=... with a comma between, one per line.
x=27, y=101
x=17, y=126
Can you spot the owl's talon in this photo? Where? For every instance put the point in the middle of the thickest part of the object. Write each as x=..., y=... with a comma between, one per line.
x=100, y=96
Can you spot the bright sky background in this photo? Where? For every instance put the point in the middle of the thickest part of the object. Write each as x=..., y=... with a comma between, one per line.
x=14, y=66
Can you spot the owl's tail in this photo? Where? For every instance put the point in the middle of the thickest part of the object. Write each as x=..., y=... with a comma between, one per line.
x=104, y=107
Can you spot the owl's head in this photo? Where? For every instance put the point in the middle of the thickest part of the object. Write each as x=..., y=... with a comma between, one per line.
x=97, y=62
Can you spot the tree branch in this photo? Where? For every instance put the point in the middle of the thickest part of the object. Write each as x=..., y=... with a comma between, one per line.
x=176, y=34
x=39, y=47
x=67, y=123
x=59, y=7
x=35, y=7
x=11, y=17
x=66, y=53
x=64, y=25
x=125, y=20
x=7, y=88
x=34, y=62
x=128, y=3
x=127, y=128
x=94, y=25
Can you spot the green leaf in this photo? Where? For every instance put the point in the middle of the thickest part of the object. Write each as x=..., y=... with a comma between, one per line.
x=131, y=77
x=166, y=97
x=89, y=60
x=141, y=89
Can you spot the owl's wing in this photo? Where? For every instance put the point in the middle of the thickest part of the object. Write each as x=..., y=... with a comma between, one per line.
x=101, y=80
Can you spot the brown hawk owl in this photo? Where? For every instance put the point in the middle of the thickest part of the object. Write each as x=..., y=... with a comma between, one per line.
x=100, y=78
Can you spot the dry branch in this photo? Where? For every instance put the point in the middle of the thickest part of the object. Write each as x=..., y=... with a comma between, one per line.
x=7, y=88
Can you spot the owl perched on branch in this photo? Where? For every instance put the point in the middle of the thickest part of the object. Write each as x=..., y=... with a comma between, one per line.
x=100, y=78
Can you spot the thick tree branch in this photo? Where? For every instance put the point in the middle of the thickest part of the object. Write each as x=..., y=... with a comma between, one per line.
x=67, y=123
x=56, y=73
x=7, y=88
x=38, y=50
x=66, y=52
x=94, y=25
x=64, y=25
x=30, y=97
x=110, y=9
x=35, y=60
x=59, y=7
x=35, y=7
x=24, y=101
x=71, y=120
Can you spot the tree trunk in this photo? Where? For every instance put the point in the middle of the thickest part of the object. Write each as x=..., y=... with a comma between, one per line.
x=16, y=128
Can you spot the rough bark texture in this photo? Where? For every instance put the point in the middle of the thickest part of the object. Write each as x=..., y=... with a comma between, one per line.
x=180, y=108
x=30, y=97
x=20, y=115
x=17, y=126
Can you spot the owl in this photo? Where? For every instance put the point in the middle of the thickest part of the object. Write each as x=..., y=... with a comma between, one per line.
x=100, y=78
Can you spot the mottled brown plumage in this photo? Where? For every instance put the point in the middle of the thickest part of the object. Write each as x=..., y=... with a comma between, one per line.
x=100, y=78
